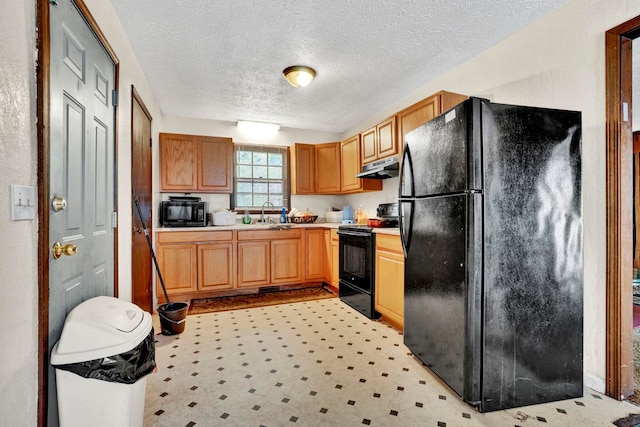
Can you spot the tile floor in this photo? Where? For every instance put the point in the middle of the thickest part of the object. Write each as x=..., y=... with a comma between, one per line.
x=320, y=363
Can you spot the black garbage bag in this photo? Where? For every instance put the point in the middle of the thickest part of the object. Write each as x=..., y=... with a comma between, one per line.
x=125, y=368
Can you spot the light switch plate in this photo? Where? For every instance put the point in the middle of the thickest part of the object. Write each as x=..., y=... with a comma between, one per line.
x=23, y=202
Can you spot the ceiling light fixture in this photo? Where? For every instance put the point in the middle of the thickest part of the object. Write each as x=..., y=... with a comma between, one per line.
x=258, y=128
x=299, y=75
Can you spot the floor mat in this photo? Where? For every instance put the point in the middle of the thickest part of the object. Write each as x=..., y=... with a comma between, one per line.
x=208, y=305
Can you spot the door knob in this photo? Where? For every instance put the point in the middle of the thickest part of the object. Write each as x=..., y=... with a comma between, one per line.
x=68, y=249
x=58, y=203
x=138, y=230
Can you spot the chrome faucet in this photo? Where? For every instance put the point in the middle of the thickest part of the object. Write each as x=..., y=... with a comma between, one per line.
x=262, y=214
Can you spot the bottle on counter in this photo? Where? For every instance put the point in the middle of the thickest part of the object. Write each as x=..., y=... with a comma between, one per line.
x=246, y=219
x=361, y=216
x=283, y=216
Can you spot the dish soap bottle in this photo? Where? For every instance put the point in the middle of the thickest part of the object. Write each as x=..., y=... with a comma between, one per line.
x=283, y=216
x=246, y=219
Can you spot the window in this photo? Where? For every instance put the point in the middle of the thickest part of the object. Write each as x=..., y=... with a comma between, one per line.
x=260, y=174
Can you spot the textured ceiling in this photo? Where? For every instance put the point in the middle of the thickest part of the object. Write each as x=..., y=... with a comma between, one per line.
x=223, y=60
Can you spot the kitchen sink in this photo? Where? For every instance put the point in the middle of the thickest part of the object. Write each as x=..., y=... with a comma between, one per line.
x=280, y=226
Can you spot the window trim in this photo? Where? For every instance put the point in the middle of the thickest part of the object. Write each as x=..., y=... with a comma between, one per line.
x=286, y=178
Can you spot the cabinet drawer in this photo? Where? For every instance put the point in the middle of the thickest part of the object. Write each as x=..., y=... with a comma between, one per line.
x=269, y=234
x=194, y=236
x=389, y=243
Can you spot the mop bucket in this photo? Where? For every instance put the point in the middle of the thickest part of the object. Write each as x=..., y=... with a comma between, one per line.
x=173, y=317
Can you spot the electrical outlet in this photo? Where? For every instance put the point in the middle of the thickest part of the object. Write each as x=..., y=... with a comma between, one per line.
x=23, y=202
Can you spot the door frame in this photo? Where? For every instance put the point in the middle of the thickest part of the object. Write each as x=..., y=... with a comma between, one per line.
x=619, y=205
x=136, y=98
x=43, y=114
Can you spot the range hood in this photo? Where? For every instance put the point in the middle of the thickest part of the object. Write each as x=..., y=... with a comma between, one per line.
x=380, y=169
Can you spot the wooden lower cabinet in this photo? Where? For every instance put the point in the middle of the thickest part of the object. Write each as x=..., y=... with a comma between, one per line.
x=203, y=264
x=215, y=266
x=179, y=268
x=254, y=264
x=286, y=261
x=332, y=261
x=389, y=299
x=191, y=262
x=314, y=254
x=270, y=257
x=335, y=264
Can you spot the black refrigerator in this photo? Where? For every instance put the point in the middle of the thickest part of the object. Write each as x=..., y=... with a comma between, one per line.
x=491, y=225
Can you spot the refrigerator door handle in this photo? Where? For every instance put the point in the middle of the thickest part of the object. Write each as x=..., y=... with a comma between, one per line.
x=406, y=181
x=405, y=223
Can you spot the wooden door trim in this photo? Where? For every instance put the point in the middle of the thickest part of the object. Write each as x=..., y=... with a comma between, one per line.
x=44, y=145
x=636, y=198
x=43, y=74
x=135, y=95
x=619, y=146
x=136, y=98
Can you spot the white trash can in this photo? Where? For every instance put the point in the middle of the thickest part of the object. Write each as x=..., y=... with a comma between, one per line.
x=104, y=353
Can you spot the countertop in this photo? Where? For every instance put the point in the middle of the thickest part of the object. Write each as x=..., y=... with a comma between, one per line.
x=331, y=225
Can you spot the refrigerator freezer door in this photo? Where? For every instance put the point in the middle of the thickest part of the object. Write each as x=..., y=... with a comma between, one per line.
x=435, y=287
x=438, y=153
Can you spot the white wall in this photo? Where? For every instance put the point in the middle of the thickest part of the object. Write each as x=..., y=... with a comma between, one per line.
x=557, y=62
x=18, y=251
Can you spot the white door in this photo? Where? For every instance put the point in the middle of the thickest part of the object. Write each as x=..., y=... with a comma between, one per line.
x=81, y=170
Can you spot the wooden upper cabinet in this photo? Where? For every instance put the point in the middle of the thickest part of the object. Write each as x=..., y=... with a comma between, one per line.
x=327, y=168
x=387, y=142
x=352, y=165
x=421, y=112
x=178, y=162
x=192, y=163
x=379, y=141
x=350, y=153
x=303, y=161
x=369, y=151
x=215, y=164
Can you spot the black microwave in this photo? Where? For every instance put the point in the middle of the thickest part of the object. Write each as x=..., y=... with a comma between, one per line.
x=183, y=213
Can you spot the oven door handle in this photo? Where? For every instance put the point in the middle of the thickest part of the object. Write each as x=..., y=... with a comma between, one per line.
x=355, y=233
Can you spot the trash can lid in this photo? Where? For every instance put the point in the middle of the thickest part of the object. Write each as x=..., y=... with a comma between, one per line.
x=100, y=327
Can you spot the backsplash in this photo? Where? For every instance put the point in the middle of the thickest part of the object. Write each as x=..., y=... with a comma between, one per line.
x=318, y=204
